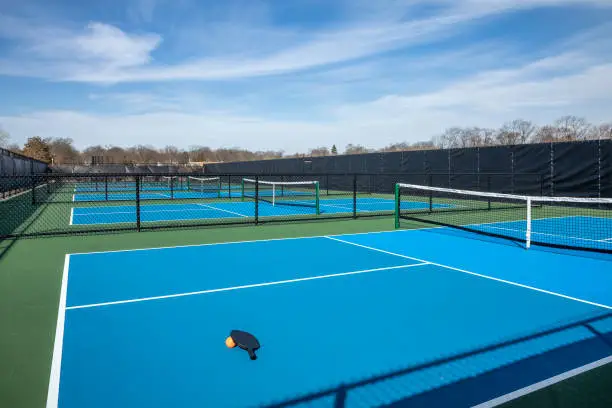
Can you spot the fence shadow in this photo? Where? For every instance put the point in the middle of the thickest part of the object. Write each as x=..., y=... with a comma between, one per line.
x=481, y=387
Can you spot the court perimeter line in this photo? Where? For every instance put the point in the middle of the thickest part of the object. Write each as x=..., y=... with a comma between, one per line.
x=141, y=210
x=253, y=285
x=220, y=209
x=245, y=242
x=56, y=362
x=475, y=274
x=543, y=384
x=71, y=215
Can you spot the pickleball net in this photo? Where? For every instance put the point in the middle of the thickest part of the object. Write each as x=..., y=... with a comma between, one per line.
x=562, y=222
x=278, y=193
x=209, y=185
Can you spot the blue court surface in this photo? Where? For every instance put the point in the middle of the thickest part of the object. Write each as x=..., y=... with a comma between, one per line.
x=577, y=230
x=415, y=318
x=233, y=209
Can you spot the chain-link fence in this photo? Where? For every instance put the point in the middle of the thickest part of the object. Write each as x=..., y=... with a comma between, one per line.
x=50, y=204
x=12, y=167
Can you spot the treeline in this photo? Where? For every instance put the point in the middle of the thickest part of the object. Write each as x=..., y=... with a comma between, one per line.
x=519, y=131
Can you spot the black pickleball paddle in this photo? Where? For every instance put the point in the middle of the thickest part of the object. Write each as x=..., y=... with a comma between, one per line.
x=245, y=341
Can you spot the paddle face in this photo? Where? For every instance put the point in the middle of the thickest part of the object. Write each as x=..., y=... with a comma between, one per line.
x=245, y=341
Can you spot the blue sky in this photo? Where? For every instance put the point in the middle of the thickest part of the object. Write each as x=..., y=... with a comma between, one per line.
x=296, y=74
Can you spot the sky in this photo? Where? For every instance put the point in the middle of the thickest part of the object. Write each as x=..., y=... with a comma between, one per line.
x=296, y=74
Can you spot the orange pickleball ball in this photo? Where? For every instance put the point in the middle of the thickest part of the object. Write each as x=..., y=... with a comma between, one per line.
x=229, y=342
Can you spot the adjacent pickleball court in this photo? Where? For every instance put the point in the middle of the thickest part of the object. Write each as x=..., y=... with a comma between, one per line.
x=229, y=209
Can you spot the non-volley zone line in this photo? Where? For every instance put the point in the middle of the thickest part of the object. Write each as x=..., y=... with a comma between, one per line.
x=508, y=282
x=212, y=207
x=250, y=286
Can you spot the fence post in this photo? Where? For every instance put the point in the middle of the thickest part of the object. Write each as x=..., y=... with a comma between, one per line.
x=33, y=188
x=489, y=190
x=256, y=200
x=354, y=195
x=138, y=203
x=229, y=186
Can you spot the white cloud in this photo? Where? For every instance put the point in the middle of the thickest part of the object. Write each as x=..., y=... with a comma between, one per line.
x=332, y=88
x=105, y=54
x=387, y=120
x=54, y=53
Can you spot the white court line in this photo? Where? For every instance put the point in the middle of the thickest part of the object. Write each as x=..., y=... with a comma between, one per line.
x=250, y=241
x=220, y=209
x=475, y=274
x=56, y=362
x=143, y=211
x=254, y=285
x=543, y=384
x=71, y=216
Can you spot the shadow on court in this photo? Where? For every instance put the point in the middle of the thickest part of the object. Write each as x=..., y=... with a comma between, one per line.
x=489, y=385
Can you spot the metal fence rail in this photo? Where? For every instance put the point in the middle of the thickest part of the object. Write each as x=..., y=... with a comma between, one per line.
x=53, y=204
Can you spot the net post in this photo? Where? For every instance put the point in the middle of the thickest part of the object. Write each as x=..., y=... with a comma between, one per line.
x=528, y=232
x=397, y=205
x=354, y=195
x=106, y=188
x=229, y=187
x=256, y=199
x=171, y=187
x=282, y=186
x=220, y=186
x=317, y=203
x=138, y=203
x=242, y=188
x=430, y=180
x=33, y=188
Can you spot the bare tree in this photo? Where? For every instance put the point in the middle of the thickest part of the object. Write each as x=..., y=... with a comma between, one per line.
x=172, y=154
x=355, y=149
x=14, y=147
x=396, y=147
x=422, y=146
x=518, y=131
x=449, y=139
x=603, y=131
x=118, y=155
x=572, y=128
x=4, y=138
x=319, y=152
x=63, y=151
x=545, y=134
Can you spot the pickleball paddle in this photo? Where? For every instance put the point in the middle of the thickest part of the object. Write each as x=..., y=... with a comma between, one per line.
x=245, y=341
